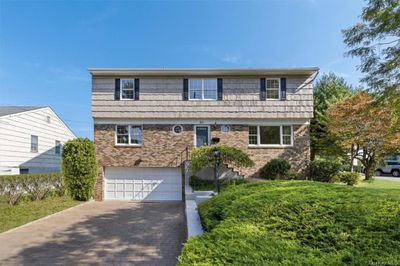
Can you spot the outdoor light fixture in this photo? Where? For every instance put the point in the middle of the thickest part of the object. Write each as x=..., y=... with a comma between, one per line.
x=216, y=163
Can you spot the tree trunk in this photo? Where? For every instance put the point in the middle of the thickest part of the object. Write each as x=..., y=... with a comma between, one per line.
x=312, y=154
x=352, y=158
x=369, y=172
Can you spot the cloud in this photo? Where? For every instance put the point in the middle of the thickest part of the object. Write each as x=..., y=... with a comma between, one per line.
x=232, y=59
x=99, y=17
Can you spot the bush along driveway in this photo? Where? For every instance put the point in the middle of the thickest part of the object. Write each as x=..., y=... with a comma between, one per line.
x=298, y=223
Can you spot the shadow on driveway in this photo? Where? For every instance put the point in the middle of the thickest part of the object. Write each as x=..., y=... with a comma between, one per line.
x=122, y=233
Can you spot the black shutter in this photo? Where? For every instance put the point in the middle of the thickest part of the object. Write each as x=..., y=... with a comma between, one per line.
x=219, y=84
x=283, y=89
x=117, y=91
x=185, y=89
x=137, y=89
x=263, y=90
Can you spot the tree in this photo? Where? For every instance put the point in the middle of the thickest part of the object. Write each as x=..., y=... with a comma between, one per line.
x=79, y=168
x=203, y=157
x=376, y=41
x=366, y=128
x=328, y=90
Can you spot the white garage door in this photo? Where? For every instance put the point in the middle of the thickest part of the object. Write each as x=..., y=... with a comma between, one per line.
x=126, y=183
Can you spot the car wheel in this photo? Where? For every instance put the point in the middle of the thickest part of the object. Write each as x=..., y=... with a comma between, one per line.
x=379, y=172
x=396, y=173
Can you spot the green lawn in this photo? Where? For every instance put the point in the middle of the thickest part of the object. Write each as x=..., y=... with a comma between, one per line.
x=298, y=223
x=27, y=211
x=380, y=184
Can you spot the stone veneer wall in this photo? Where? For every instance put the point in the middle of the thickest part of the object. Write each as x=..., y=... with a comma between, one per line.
x=161, y=146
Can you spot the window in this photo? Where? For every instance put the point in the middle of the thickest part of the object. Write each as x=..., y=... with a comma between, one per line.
x=273, y=89
x=127, y=89
x=225, y=128
x=270, y=136
x=129, y=135
x=34, y=143
x=253, y=135
x=58, y=147
x=178, y=129
x=202, y=89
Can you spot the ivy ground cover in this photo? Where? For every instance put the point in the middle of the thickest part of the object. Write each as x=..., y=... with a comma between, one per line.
x=298, y=223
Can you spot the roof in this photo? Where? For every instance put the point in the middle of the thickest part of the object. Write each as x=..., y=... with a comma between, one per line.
x=9, y=110
x=201, y=71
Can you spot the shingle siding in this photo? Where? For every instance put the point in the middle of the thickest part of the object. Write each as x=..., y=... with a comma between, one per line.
x=162, y=98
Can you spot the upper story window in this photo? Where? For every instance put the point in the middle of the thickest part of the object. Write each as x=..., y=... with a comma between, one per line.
x=58, y=147
x=273, y=89
x=203, y=89
x=128, y=135
x=34, y=143
x=127, y=89
x=270, y=136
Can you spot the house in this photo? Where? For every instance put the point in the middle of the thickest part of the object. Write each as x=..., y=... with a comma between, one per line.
x=146, y=120
x=31, y=140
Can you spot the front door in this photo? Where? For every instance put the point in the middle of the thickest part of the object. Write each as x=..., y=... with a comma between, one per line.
x=202, y=135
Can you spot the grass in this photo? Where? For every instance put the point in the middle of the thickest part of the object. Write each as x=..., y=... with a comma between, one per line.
x=380, y=184
x=27, y=211
x=298, y=223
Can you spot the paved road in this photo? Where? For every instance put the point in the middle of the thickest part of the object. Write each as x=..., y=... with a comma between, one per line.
x=112, y=232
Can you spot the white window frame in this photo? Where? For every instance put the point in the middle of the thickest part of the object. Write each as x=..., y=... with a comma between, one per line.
x=57, y=145
x=173, y=131
x=280, y=137
x=195, y=134
x=129, y=136
x=121, y=89
x=279, y=90
x=202, y=90
x=37, y=144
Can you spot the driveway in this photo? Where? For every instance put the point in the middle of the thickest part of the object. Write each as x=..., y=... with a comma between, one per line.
x=111, y=232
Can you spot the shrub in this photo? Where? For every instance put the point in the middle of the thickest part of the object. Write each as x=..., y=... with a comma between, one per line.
x=198, y=183
x=324, y=170
x=79, y=168
x=275, y=169
x=203, y=157
x=350, y=178
x=35, y=186
x=297, y=223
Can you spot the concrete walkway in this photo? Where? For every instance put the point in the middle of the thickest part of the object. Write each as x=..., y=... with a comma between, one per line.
x=102, y=233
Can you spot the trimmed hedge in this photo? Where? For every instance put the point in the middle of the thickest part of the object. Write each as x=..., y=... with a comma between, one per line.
x=350, y=178
x=297, y=223
x=79, y=167
x=276, y=169
x=35, y=186
x=324, y=169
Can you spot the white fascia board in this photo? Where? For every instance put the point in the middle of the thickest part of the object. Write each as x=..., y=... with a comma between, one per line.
x=271, y=121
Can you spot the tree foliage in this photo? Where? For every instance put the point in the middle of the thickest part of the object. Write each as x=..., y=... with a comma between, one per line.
x=203, y=157
x=376, y=41
x=328, y=90
x=365, y=128
x=79, y=168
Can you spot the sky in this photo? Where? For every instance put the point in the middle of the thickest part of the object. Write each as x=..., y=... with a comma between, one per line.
x=46, y=47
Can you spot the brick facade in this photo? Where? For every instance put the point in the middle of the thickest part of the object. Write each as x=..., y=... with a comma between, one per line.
x=161, y=146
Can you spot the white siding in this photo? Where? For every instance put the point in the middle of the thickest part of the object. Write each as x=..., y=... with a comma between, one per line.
x=15, y=141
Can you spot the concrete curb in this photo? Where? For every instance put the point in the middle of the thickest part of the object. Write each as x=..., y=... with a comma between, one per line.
x=45, y=217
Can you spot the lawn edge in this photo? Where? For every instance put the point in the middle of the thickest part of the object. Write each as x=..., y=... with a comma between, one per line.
x=45, y=217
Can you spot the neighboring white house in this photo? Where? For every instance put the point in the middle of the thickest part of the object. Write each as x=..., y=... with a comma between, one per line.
x=31, y=140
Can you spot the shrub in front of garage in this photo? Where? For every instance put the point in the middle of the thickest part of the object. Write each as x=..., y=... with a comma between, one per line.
x=79, y=168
